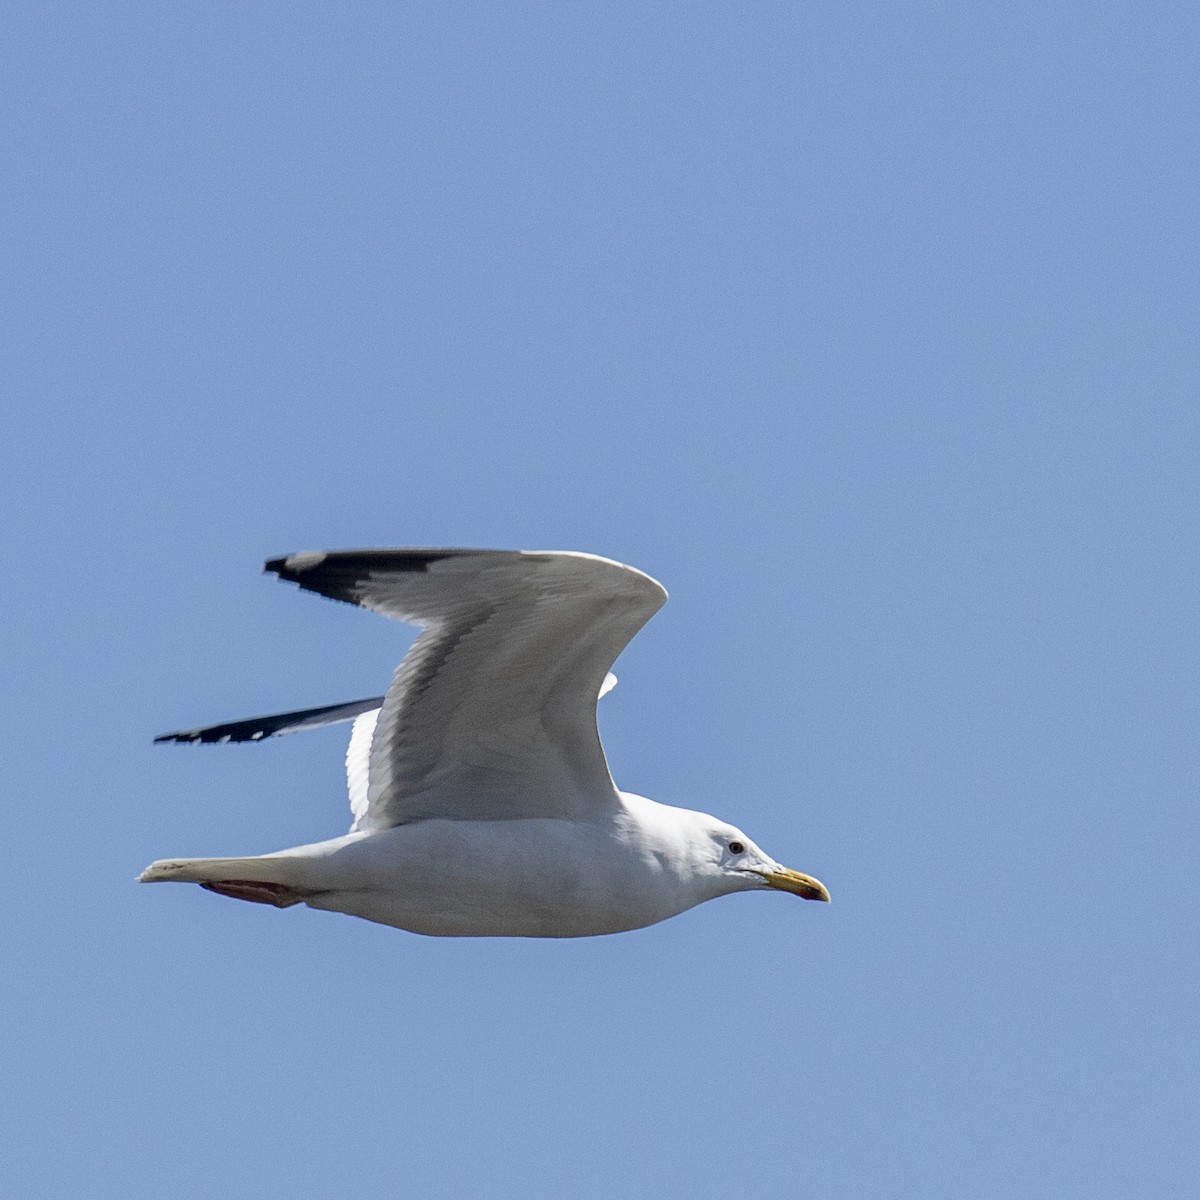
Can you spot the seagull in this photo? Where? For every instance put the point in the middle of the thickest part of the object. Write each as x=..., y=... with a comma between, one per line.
x=482, y=801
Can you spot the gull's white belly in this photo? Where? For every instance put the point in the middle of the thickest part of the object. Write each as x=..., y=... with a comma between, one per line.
x=523, y=878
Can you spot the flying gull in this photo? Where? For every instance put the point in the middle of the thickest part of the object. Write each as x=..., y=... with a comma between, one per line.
x=481, y=797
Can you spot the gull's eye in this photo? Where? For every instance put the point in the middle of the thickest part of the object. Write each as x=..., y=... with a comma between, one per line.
x=737, y=848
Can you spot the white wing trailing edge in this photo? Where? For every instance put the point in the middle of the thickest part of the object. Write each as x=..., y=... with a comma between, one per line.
x=358, y=766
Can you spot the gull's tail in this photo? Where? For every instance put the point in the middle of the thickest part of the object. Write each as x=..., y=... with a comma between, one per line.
x=268, y=879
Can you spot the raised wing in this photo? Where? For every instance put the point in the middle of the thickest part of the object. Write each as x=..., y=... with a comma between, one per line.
x=492, y=714
x=254, y=729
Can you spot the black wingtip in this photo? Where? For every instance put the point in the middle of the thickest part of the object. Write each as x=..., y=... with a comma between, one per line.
x=209, y=736
x=183, y=737
x=255, y=729
x=341, y=574
x=292, y=566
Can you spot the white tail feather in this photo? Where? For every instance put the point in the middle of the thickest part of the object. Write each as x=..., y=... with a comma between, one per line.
x=265, y=869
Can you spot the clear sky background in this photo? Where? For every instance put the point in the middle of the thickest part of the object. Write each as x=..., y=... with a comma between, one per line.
x=871, y=331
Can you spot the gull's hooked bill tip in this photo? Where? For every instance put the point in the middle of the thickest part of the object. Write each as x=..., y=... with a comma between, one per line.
x=797, y=883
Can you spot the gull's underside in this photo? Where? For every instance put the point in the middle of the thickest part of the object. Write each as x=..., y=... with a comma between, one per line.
x=482, y=800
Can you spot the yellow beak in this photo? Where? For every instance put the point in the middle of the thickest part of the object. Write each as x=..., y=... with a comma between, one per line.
x=797, y=883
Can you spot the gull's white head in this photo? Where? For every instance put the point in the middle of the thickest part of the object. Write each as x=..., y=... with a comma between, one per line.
x=742, y=866
x=718, y=858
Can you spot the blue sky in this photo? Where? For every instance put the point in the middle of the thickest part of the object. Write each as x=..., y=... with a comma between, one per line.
x=870, y=331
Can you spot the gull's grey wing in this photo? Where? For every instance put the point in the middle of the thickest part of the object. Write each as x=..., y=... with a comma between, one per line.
x=492, y=714
x=256, y=728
